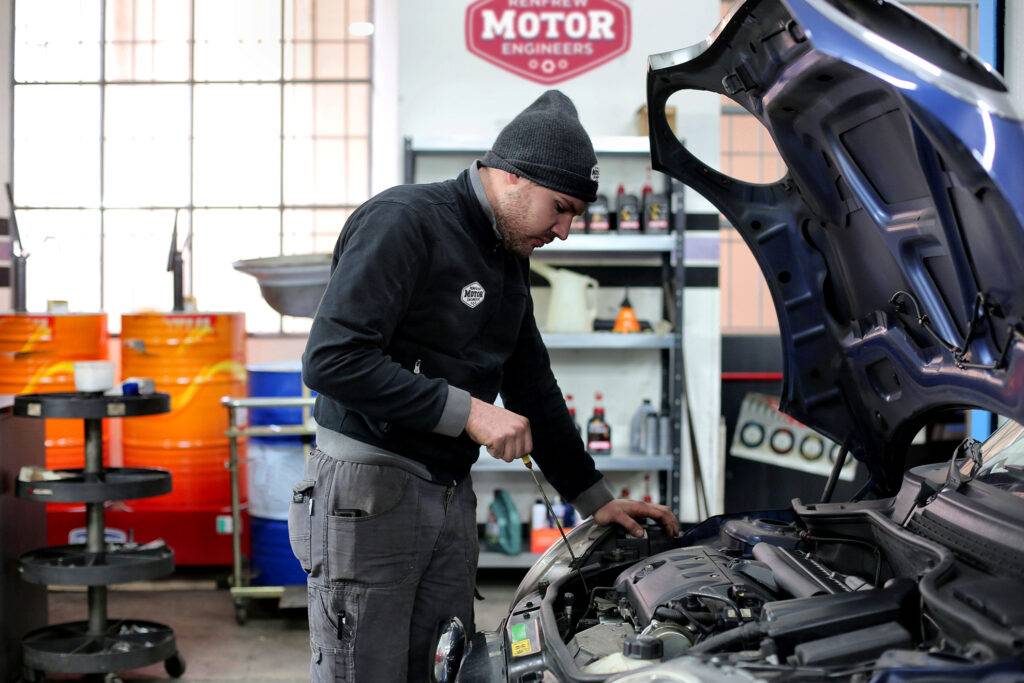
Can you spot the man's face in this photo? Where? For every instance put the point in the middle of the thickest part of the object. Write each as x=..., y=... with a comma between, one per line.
x=530, y=216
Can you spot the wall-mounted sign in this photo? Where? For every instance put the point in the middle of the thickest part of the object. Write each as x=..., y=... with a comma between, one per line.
x=765, y=434
x=548, y=41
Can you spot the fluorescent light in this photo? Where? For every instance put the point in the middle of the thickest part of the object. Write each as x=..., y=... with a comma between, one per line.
x=360, y=28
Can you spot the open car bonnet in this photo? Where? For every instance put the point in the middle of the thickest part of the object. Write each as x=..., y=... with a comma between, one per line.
x=894, y=246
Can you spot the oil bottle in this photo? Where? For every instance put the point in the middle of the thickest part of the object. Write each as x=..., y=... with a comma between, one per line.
x=598, y=215
x=599, y=433
x=628, y=212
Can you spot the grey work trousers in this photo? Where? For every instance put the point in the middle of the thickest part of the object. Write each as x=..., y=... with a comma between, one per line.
x=390, y=556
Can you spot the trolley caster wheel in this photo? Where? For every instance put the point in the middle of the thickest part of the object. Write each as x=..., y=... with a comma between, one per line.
x=175, y=665
x=241, y=614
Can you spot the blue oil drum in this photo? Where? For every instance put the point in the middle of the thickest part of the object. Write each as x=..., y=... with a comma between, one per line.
x=272, y=561
x=276, y=379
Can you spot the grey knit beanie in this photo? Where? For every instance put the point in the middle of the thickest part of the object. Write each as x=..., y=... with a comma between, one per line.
x=546, y=143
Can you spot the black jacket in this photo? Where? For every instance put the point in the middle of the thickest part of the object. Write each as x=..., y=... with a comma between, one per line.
x=401, y=333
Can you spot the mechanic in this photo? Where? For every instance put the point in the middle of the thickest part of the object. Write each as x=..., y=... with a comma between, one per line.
x=426, y=318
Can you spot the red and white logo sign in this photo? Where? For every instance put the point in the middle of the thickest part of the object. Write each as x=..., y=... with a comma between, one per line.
x=548, y=41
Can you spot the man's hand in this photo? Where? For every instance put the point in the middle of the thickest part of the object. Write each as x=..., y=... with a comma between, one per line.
x=506, y=435
x=625, y=513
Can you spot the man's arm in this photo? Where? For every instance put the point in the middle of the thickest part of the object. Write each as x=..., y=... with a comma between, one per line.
x=529, y=389
x=382, y=261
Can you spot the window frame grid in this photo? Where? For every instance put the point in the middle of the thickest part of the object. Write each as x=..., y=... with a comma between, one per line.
x=191, y=82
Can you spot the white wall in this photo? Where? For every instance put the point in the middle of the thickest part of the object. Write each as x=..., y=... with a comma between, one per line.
x=385, y=133
x=1014, y=52
x=446, y=91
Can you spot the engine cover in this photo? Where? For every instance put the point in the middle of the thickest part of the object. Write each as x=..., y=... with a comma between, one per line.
x=696, y=573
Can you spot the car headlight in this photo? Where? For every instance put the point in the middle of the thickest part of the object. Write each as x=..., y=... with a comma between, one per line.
x=451, y=645
x=581, y=538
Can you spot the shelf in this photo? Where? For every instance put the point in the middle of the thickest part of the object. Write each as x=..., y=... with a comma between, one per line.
x=610, y=463
x=608, y=340
x=611, y=244
x=608, y=145
x=126, y=644
x=492, y=560
x=702, y=247
x=73, y=565
x=89, y=406
x=115, y=483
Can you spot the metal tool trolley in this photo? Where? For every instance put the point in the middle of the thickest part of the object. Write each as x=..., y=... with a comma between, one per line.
x=241, y=590
x=100, y=645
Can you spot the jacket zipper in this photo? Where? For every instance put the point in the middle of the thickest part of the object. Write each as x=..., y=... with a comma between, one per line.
x=416, y=368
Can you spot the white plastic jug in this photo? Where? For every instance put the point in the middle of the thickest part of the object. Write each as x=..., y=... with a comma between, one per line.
x=573, y=303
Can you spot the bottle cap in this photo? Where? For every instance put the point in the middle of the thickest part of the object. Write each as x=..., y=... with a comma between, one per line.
x=642, y=647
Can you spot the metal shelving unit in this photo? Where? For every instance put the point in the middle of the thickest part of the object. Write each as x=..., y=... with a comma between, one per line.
x=668, y=253
x=608, y=340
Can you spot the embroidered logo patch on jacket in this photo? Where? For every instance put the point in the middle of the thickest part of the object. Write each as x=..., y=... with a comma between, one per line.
x=473, y=294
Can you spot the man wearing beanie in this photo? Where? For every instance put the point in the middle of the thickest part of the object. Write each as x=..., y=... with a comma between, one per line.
x=426, y=318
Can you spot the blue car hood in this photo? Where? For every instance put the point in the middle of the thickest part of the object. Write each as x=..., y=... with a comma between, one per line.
x=894, y=246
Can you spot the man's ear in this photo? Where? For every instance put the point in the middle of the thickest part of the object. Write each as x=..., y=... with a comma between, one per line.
x=511, y=178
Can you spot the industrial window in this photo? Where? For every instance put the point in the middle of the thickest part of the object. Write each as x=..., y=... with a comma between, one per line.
x=748, y=153
x=251, y=117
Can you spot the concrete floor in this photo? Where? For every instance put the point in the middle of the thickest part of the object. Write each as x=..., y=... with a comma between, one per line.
x=272, y=646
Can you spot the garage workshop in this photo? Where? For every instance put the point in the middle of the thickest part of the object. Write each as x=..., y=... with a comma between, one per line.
x=512, y=341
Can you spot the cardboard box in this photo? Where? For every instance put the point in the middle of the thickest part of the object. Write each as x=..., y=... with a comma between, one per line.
x=641, y=120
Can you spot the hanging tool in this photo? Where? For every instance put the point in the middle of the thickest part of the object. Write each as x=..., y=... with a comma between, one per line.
x=551, y=511
x=19, y=260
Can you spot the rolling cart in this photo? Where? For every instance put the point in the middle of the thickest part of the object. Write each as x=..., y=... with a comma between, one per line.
x=99, y=645
x=242, y=592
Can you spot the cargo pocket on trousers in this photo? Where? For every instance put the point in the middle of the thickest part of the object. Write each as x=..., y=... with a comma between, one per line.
x=333, y=621
x=376, y=549
x=300, y=516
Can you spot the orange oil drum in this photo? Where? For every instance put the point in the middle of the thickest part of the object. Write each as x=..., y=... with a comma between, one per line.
x=37, y=355
x=197, y=358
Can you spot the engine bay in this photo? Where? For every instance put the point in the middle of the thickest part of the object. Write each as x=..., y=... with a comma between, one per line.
x=760, y=580
x=828, y=591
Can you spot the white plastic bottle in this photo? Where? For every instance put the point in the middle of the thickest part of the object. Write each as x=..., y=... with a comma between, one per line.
x=538, y=515
x=638, y=427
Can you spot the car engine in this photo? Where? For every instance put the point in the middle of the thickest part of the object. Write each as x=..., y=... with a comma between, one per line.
x=771, y=596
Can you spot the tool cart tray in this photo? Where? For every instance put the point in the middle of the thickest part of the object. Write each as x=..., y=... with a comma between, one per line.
x=89, y=406
x=73, y=565
x=115, y=483
x=126, y=644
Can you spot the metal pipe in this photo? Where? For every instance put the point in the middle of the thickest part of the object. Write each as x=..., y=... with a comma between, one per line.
x=95, y=541
x=833, y=476
x=178, y=278
x=94, y=465
x=19, y=265
x=97, y=610
x=236, y=513
x=19, y=259
x=267, y=402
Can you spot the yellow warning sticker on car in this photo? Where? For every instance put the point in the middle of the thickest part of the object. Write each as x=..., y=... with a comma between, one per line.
x=521, y=647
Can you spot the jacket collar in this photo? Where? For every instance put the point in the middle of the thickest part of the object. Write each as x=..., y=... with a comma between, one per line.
x=479, y=214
